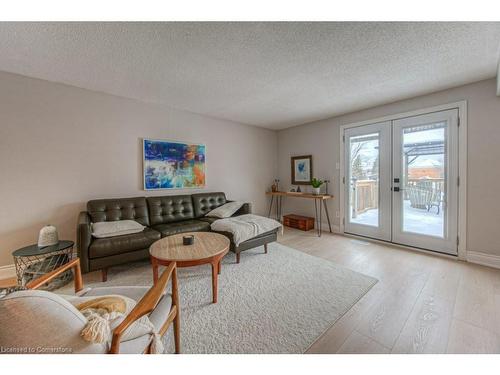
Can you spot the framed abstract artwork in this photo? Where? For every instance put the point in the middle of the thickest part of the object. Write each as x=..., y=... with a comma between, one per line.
x=301, y=170
x=173, y=165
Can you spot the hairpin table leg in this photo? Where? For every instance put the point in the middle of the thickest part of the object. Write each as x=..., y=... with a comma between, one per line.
x=327, y=215
x=270, y=206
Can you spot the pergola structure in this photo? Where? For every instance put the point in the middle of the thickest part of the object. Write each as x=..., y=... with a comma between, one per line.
x=412, y=151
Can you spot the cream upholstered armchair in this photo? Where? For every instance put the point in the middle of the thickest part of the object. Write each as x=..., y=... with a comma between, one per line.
x=36, y=321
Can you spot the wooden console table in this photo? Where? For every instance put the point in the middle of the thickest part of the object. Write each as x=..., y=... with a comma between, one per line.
x=317, y=198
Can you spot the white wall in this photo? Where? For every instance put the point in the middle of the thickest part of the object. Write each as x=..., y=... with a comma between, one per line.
x=321, y=139
x=61, y=146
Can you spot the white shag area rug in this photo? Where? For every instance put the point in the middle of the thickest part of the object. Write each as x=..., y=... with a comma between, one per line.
x=279, y=302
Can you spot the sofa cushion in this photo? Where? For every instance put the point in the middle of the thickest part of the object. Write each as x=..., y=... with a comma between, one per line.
x=206, y=202
x=226, y=210
x=105, y=229
x=102, y=247
x=119, y=209
x=182, y=227
x=171, y=208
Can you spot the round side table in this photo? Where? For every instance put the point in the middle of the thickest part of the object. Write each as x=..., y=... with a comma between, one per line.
x=32, y=262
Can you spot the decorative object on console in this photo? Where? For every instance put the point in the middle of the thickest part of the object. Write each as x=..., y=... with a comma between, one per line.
x=173, y=165
x=275, y=185
x=48, y=236
x=316, y=185
x=326, y=186
x=301, y=170
x=298, y=189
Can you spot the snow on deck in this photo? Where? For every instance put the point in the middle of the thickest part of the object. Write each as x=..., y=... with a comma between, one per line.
x=415, y=220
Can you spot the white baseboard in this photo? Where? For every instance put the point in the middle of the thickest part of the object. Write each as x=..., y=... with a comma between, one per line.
x=7, y=272
x=325, y=228
x=483, y=259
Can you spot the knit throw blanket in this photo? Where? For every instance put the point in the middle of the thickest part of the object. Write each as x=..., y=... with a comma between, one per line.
x=245, y=227
x=105, y=313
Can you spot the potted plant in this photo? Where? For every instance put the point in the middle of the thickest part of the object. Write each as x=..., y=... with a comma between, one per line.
x=316, y=184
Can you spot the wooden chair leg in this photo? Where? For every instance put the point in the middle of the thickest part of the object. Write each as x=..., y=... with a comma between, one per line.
x=177, y=320
x=177, y=334
x=104, y=275
x=265, y=248
x=237, y=257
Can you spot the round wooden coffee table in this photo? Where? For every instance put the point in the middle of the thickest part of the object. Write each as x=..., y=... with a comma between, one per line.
x=208, y=248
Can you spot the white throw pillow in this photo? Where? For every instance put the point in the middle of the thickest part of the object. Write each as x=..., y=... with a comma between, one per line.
x=105, y=229
x=226, y=210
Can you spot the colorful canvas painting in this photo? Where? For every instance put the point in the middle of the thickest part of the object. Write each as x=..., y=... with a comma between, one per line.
x=173, y=165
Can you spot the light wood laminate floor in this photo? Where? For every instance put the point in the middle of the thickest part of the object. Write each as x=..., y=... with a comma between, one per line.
x=7, y=283
x=422, y=303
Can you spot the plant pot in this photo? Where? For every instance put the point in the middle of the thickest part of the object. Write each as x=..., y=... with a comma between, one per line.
x=316, y=190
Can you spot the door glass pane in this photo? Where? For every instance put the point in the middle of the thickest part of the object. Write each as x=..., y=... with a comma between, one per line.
x=364, y=179
x=424, y=176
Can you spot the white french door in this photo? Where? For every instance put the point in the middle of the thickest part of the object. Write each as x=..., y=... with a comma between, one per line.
x=425, y=172
x=368, y=181
x=401, y=181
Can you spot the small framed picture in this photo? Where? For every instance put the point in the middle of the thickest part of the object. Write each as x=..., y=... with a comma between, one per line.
x=301, y=170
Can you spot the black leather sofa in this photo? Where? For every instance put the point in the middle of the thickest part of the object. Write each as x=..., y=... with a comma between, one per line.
x=163, y=216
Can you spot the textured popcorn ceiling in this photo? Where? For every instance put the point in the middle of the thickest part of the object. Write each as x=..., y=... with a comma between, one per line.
x=273, y=75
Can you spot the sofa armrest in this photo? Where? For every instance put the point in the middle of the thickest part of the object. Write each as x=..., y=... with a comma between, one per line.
x=245, y=209
x=83, y=239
